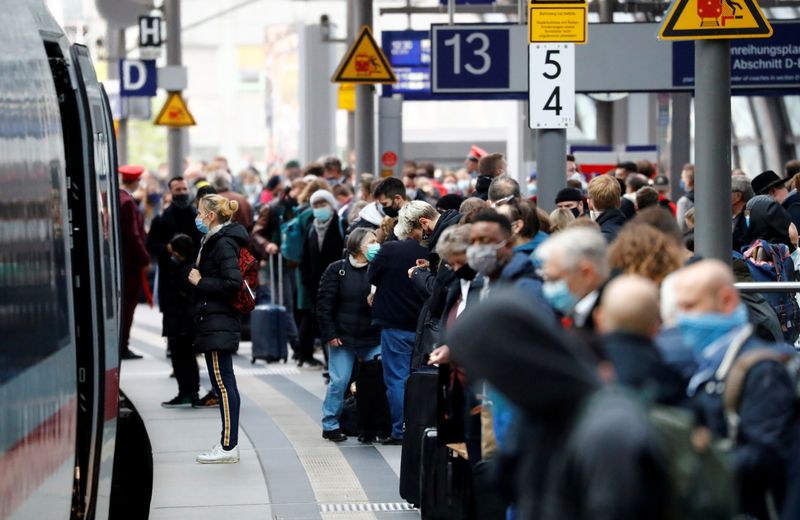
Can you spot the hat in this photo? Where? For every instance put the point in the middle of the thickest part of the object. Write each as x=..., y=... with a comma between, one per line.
x=766, y=180
x=450, y=201
x=475, y=153
x=130, y=172
x=273, y=182
x=661, y=180
x=291, y=164
x=569, y=194
x=325, y=196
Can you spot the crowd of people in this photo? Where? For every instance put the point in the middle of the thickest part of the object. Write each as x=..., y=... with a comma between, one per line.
x=589, y=362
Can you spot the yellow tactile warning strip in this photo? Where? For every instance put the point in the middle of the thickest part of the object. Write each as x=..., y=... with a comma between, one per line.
x=330, y=475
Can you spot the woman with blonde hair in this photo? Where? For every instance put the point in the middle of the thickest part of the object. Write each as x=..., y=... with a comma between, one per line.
x=560, y=218
x=217, y=280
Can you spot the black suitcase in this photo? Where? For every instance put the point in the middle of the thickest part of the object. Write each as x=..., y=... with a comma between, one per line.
x=269, y=323
x=374, y=419
x=419, y=411
x=445, y=482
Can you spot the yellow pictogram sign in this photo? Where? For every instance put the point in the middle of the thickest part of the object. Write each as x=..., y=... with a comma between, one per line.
x=364, y=62
x=714, y=19
x=347, y=97
x=558, y=22
x=175, y=112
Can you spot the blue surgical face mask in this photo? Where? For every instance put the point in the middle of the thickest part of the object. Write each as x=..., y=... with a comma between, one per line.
x=463, y=184
x=796, y=257
x=682, y=185
x=201, y=227
x=323, y=214
x=559, y=296
x=372, y=251
x=701, y=330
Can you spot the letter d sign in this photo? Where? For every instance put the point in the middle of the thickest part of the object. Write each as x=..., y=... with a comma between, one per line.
x=138, y=78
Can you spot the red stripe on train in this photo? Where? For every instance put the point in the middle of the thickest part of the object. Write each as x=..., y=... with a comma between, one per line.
x=32, y=460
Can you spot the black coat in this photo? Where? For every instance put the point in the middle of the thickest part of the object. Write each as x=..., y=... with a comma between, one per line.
x=611, y=222
x=449, y=218
x=482, y=187
x=792, y=205
x=315, y=260
x=174, y=298
x=342, y=308
x=218, y=324
x=397, y=304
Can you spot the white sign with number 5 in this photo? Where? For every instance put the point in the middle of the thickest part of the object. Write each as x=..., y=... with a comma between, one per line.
x=551, y=85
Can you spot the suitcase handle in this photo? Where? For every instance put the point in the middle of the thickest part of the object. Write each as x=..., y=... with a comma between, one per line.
x=272, y=297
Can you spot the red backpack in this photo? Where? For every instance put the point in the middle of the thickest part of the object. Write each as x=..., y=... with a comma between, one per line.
x=245, y=299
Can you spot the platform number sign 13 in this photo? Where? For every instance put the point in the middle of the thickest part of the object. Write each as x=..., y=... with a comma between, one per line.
x=551, y=88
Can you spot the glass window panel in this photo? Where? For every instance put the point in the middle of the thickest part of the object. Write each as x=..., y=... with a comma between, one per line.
x=750, y=159
x=742, y=118
x=792, y=104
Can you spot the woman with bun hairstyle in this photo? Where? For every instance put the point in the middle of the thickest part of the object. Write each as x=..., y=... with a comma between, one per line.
x=217, y=279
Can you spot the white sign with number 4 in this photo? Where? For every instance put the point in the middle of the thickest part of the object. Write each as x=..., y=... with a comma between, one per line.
x=551, y=85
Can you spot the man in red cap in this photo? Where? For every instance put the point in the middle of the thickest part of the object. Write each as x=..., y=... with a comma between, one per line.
x=134, y=258
x=471, y=162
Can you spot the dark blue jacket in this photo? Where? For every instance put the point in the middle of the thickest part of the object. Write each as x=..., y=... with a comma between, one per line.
x=611, y=222
x=396, y=304
x=521, y=273
x=792, y=206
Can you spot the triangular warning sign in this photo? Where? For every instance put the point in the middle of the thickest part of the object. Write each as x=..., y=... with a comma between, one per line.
x=364, y=62
x=175, y=112
x=714, y=19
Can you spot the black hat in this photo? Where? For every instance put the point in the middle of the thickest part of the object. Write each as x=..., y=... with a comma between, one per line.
x=569, y=194
x=764, y=181
x=661, y=180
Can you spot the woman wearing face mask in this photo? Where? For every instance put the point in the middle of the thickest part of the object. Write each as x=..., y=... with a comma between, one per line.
x=218, y=325
x=323, y=246
x=524, y=224
x=345, y=322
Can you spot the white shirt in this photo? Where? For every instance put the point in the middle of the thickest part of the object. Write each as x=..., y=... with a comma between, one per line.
x=584, y=308
x=464, y=292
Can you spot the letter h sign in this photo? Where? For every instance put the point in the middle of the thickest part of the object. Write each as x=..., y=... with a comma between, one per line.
x=150, y=31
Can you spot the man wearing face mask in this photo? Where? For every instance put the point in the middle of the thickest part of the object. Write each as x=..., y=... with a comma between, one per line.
x=713, y=323
x=575, y=268
x=571, y=199
x=177, y=219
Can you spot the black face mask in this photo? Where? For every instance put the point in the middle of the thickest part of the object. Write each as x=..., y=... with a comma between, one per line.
x=576, y=212
x=181, y=201
x=466, y=273
x=391, y=211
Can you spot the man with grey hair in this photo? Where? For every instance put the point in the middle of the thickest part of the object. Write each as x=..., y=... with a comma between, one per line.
x=575, y=269
x=502, y=190
x=420, y=221
x=741, y=192
x=222, y=181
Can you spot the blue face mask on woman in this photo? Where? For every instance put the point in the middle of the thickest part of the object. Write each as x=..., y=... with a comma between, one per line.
x=322, y=214
x=559, y=296
x=701, y=330
x=201, y=227
x=372, y=251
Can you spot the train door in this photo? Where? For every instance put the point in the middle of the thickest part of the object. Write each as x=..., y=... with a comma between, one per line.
x=87, y=295
x=103, y=182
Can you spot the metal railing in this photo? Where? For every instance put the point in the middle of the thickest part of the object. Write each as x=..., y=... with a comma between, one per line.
x=768, y=287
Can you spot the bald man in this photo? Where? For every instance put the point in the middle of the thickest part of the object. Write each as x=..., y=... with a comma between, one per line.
x=766, y=453
x=628, y=319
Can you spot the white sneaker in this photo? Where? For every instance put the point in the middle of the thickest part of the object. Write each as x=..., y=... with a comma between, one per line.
x=218, y=455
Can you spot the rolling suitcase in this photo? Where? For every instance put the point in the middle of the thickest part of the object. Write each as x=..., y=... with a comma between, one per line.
x=419, y=411
x=374, y=419
x=445, y=482
x=269, y=323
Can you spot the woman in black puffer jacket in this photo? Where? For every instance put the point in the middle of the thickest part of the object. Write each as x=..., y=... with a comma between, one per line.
x=345, y=322
x=218, y=324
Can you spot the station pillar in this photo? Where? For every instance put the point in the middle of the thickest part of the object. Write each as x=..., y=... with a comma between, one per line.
x=365, y=105
x=176, y=137
x=551, y=170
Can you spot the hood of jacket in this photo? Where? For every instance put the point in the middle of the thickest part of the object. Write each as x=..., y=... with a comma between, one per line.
x=520, y=265
x=523, y=355
x=371, y=214
x=769, y=221
x=449, y=218
x=233, y=230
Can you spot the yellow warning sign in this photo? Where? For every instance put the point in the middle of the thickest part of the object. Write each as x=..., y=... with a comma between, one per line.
x=714, y=19
x=364, y=62
x=347, y=97
x=558, y=22
x=175, y=112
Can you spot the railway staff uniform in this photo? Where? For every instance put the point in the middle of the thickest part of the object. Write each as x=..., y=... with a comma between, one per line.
x=135, y=257
x=217, y=279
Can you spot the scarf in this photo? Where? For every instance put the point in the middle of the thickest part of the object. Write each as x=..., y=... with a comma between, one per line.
x=355, y=263
x=321, y=229
x=211, y=232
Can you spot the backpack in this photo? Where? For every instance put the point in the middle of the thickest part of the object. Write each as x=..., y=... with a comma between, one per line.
x=245, y=299
x=773, y=263
x=293, y=235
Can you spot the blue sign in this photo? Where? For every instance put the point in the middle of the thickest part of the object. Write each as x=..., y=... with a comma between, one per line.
x=138, y=78
x=772, y=63
x=471, y=58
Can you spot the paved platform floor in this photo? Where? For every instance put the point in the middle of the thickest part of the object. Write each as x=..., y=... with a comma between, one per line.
x=287, y=471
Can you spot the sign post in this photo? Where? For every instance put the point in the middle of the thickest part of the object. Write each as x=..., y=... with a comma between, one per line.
x=713, y=23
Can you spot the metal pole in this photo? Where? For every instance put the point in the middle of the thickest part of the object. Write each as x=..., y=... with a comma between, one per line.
x=768, y=287
x=605, y=109
x=551, y=176
x=526, y=136
x=712, y=130
x=351, y=116
x=175, y=136
x=116, y=51
x=451, y=11
x=365, y=105
x=680, y=140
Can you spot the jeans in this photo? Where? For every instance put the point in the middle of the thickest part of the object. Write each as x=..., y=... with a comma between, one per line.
x=220, y=371
x=397, y=347
x=340, y=368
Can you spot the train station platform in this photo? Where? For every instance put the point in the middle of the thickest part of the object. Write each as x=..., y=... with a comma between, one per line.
x=287, y=471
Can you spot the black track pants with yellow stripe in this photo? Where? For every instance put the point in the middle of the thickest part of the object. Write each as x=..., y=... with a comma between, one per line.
x=220, y=371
